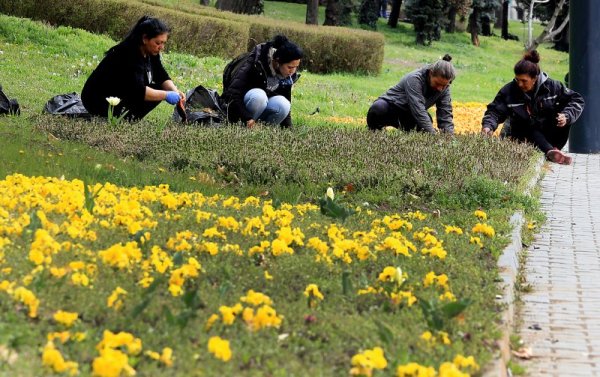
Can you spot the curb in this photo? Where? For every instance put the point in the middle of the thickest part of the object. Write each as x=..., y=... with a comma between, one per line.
x=508, y=266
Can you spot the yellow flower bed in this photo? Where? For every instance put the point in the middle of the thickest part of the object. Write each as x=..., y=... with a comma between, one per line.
x=153, y=238
x=467, y=117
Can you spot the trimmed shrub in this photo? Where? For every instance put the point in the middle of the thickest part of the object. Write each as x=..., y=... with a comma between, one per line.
x=192, y=33
x=327, y=49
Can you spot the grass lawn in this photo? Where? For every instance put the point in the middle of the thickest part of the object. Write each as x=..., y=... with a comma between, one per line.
x=208, y=250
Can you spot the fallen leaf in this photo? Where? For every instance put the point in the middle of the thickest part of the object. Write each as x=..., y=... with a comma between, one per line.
x=523, y=353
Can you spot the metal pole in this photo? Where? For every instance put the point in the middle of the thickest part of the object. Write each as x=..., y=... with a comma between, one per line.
x=584, y=58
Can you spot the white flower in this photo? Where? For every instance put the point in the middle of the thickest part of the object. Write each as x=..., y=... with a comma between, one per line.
x=330, y=194
x=398, y=278
x=113, y=101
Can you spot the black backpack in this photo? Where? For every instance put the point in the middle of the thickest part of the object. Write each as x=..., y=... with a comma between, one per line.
x=8, y=106
x=232, y=67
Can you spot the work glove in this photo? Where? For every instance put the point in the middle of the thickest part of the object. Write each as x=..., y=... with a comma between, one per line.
x=172, y=98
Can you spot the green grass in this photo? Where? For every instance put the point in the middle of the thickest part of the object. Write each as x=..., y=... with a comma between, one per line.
x=38, y=61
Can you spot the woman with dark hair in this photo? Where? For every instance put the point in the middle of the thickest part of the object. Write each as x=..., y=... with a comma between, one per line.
x=132, y=71
x=257, y=86
x=405, y=105
x=540, y=110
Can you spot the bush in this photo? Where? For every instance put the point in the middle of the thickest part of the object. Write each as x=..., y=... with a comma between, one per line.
x=192, y=33
x=327, y=48
x=467, y=171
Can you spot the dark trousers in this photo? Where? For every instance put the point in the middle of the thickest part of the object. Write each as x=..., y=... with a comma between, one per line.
x=383, y=113
x=545, y=138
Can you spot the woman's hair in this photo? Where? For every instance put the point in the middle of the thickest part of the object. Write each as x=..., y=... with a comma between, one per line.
x=443, y=68
x=145, y=26
x=286, y=50
x=529, y=64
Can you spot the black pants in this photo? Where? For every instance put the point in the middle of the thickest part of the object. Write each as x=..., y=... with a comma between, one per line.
x=383, y=113
x=544, y=138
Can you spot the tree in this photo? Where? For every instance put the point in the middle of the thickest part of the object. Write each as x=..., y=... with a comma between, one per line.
x=456, y=8
x=242, y=6
x=338, y=13
x=481, y=16
x=394, y=13
x=427, y=17
x=312, y=12
x=368, y=13
x=550, y=31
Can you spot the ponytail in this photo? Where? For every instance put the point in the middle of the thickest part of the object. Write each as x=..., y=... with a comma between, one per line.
x=286, y=50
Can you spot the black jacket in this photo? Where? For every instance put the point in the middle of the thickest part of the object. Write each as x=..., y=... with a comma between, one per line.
x=414, y=94
x=550, y=97
x=123, y=73
x=251, y=73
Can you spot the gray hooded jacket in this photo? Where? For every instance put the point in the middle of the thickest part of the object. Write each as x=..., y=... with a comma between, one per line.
x=414, y=94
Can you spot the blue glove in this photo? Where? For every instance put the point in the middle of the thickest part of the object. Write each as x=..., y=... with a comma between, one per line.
x=172, y=98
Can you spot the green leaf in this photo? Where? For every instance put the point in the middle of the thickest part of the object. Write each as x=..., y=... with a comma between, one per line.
x=139, y=308
x=178, y=259
x=169, y=316
x=453, y=309
x=384, y=332
x=346, y=283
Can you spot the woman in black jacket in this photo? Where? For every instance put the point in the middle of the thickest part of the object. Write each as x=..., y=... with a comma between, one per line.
x=257, y=86
x=132, y=72
x=541, y=110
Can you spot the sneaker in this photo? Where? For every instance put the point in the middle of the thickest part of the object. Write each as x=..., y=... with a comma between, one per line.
x=558, y=157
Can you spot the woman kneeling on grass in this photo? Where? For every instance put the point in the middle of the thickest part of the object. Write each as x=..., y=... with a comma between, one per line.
x=133, y=72
x=541, y=110
x=257, y=86
x=405, y=105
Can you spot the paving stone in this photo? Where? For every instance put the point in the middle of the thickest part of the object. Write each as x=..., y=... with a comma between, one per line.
x=563, y=267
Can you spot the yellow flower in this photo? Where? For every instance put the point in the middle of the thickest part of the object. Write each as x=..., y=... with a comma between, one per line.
x=52, y=358
x=112, y=363
x=480, y=214
x=256, y=298
x=414, y=370
x=114, y=300
x=393, y=274
x=312, y=290
x=484, y=229
x=453, y=229
x=476, y=241
x=364, y=363
x=268, y=276
x=65, y=318
x=219, y=348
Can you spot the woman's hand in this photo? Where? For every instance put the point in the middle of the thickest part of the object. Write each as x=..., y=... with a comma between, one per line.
x=250, y=123
x=561, y=120
x=487, y=131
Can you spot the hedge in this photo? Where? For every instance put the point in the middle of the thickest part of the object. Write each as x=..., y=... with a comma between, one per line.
x=192, y=33
x=327, y=48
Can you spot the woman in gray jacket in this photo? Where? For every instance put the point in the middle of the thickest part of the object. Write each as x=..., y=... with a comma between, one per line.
x=405, y=105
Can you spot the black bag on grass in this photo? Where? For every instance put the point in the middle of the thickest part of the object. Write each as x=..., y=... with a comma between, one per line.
x=201, y=106
x=8, y=106
x=67, y=104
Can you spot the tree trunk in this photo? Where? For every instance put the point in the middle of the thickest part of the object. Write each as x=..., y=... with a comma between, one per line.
x=505, y=5
x=451, y=27
x=395, y=13
x=498, y=14
x=474, y=27
x=242, y=6
x=312, y=12
x=549, y=31
x=369, y=13
x=332, y=13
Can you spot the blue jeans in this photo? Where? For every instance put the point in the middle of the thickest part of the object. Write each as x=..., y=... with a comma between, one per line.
x=269, y=110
